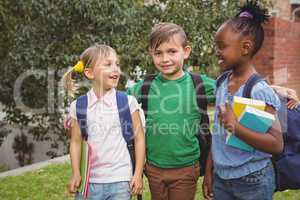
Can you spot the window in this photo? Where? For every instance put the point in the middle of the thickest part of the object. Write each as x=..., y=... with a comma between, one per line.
x=296, y=14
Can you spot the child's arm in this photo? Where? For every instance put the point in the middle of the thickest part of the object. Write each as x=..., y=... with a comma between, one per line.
x=290, y=94
x=136, y=183
x=271, y=142
x=207, y=185
x=75, y=154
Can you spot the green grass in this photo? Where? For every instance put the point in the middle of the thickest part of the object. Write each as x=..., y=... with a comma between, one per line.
x=45, y=184
x=3, y=168
x=50, y=184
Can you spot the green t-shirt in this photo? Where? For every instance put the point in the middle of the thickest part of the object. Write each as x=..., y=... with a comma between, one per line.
x=173, y=119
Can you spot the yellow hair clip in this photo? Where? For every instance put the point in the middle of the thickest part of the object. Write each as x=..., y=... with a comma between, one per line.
x=79, y=67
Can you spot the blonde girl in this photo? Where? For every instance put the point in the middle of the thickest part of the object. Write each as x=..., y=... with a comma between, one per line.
x=111, y=174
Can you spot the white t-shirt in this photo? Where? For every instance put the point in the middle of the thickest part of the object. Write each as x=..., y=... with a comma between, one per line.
x=110, y=157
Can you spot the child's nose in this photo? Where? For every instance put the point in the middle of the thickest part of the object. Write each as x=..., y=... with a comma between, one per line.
x=115, y=68
x=165, y=58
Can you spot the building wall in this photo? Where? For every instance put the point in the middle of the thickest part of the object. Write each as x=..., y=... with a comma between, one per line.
x=279, y=58
x=283, y=7
x=8, y=157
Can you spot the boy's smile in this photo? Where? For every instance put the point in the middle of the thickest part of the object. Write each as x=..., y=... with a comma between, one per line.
x=169, y=57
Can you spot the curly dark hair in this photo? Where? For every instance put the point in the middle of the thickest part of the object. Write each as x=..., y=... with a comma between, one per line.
x=248, y=22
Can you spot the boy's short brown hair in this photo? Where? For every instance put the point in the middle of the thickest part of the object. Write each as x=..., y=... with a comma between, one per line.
x=163, y=32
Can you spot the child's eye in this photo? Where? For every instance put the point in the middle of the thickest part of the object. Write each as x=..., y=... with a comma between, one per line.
x=157, y=53
x=220, y=46
x=107, y=64
x=172, y=51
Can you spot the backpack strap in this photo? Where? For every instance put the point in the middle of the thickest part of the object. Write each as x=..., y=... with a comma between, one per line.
x=203, y=135
x=126, y=124
x=125, y=116
x=81, y=107
x=200, y=96
x=201, y=102
x=145, y=91
x=222, y=78
x=254, y=78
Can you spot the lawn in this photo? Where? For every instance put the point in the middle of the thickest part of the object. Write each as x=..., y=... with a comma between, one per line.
x=50, y=184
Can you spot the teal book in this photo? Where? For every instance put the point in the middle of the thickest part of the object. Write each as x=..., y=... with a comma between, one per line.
x=85, y=164
x=254, y=119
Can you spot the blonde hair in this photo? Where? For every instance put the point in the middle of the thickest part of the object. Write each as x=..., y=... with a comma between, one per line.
x=163, y=32
x=90, y=57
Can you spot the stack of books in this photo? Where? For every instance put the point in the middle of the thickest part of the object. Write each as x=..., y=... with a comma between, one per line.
x=250, y=113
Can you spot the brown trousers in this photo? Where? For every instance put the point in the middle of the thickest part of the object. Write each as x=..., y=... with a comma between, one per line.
x=173, y=184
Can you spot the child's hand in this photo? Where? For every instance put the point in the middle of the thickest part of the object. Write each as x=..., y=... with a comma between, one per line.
x=136, y=185
x=67, y=125
x=290, y=94
x=207, y=185
x=74, y=183
x=291, y=104
x=293, y=101
x=227, y=117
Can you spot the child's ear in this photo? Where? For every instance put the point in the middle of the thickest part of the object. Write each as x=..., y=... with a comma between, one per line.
x=187, y=51
x=247, y=47
x=89, y=73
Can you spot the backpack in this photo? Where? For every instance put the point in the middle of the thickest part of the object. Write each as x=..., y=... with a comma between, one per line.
x=203, y=135
x=125, y=121
x=286, y=164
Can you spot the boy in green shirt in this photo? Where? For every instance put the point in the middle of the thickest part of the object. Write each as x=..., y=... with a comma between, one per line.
x=173, y=117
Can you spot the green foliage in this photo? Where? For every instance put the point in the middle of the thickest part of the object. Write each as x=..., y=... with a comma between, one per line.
x=50, y=35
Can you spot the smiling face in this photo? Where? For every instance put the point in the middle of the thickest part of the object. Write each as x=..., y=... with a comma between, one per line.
x=230, y=47
x=169, y=57
x=106, y=72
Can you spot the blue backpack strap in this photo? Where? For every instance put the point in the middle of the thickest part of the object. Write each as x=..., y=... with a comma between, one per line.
x=126, y=124
x=125, y=116
x=222, y=78
x=254, y=78
x=81, y=107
